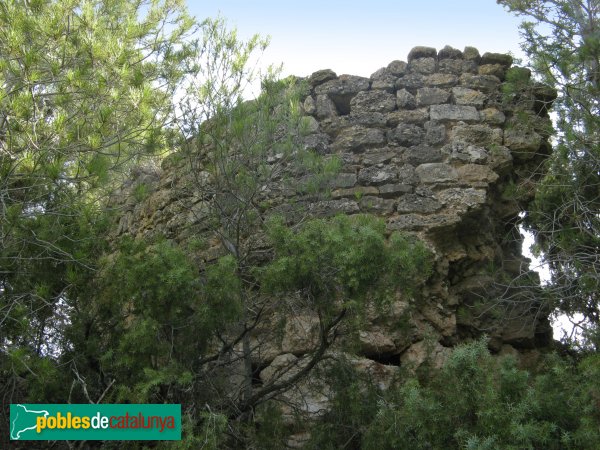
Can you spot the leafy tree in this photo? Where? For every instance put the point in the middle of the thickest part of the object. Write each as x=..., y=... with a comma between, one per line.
x=85, y=92
x=476, y=401
x=338, y=266
x=152, y=325
x=562, y=40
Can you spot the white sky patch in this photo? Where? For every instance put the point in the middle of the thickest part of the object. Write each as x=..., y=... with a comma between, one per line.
x=358, y=38
x=562, y=325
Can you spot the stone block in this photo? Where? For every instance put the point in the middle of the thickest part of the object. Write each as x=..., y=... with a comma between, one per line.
x=431, y=96
x=492, y=116
x=417, y=222
x=384, y=80
x=344, y=180
x=500, y=158
x=497, y=58
x=300, y=335
x=412, y=116
x=496, y=70
x=436, y=173
x=407, y=175
x=424, y=352
x=355, y=192
x=318, y=142
x=309, y=105
x=421, y=52
x=376, y=205
x=358, y=138
x=523, y=143
x=394, y=190
x=372, y=157
x=344, y=85
x=441, y=80
x=411, y=82
x=381, y=375
x=405, y=100
x=329, y=208
x=321, y=76
x=423, y=65
x=397, y=68
x=324, y=107
x=407, y=134
x=484, y=83
x=471, y=54
x=375, y=343
x=336, y=125
x=450, y=53
x=462, y=199
x=465, y=152
x=454, y=112
x=377, y=175
x=477, y=134
x=435, y=133
x=413, y=203
x=468, y=97
x=456, y=66
x=373, y=101
x=473, y=173
x=421, y=154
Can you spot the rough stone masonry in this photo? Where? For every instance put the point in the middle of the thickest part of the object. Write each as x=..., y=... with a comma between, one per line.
x=438, y=148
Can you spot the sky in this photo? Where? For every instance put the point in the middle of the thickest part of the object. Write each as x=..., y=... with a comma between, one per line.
x=360, y=37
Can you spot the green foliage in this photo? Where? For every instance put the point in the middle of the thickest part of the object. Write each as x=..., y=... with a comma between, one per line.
x=148, y=315
x=85, y=91
x=140, y=192
x=252, y=148
x=152, y=310
x=354, y=404
x=145, y=275
x=222, y=291
x=77, y=89
x=562, y=44
x=42, y=380
x=208, y=437
x=517, y=82
x=475, y=401
x=343, y=261
x=321, y=171
x=273, y=432
x=140, y=327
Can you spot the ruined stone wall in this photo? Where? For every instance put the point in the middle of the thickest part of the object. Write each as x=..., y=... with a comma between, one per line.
x=436, y=147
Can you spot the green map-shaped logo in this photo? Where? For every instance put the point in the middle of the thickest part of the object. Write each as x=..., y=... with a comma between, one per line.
x=23, y=420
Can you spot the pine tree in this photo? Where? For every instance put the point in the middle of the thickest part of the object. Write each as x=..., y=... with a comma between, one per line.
x=562, y=40
x=86, y=91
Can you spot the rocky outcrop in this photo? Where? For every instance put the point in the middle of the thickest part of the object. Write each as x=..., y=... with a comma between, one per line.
x=436, y=147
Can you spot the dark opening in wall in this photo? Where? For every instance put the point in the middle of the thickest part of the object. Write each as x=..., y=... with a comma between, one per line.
x=342, y=103
x=385, y=359
x=256, y=370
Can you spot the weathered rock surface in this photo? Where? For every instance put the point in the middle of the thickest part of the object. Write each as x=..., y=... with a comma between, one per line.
x=431, y=146
x=454, y=112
